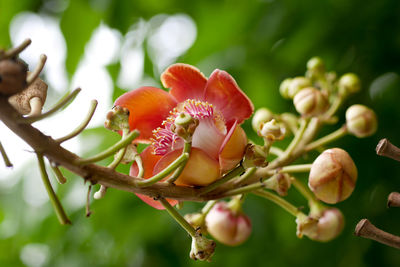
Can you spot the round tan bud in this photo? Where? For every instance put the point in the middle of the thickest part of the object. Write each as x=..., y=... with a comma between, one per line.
x=361, y=121
x=298, y=84
x=284, y=88
x=21, y=101
x=333, y=176
x=316, y=65
x=226, y=226
x=272, y=131
x=349, y=83
x=261, y=116
x=12, y=76
x=310, y=102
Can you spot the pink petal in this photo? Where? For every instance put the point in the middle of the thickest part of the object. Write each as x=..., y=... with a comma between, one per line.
x=223, y=91
x=148, y=107
x=149, y=161
x=232, y=149
x=200, y=170
x=208, y=137
x=185, y=81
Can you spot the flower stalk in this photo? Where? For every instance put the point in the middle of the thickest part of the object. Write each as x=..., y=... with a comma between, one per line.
x=7, y=161
x=367, y=230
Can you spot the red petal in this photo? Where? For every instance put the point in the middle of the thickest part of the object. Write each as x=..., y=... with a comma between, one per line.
x=185, y=81
x=148, y=107
x=232, y=149
x=223, y=91
x=149, y=161
x=200, y=169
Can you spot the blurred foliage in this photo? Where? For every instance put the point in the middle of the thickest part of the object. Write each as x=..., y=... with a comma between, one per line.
x=260, y=42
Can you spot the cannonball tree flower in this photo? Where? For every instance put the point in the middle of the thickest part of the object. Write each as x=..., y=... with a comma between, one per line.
x=218, y=142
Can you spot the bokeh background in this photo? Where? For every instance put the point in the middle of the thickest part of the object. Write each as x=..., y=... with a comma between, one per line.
x=107, y=47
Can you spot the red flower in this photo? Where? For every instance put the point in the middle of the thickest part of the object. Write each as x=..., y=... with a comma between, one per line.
x=218, y=142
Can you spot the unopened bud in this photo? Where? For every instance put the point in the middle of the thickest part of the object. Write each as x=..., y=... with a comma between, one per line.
x=272, y=131
x=324, y=228
x=228, y=227
x=184, y=126
x=117, y=119
x=284, y=88
x=261, y=116
x=196, y=220
x=202, y=248
x=298, y=84
x=13, y=74
x=361, y=121
x=316, y=65
x=349, y=83
x=310, y=102
x=333, y=176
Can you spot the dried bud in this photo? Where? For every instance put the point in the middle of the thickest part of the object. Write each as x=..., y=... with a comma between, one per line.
x=272, y=131
x=361, y=121
x=310, y=102
x=117, y=119
x=325, y=228
x=13, y=74
x=202, y=248
x=22, y=101
x=254, y=156
x=349, y=83
x=227, y=226
x=333, y=176
x=316, y=65
x=280, y=183
x=261, y=116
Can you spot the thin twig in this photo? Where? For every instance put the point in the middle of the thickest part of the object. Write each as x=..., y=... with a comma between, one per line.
x=88, y=212
x=59, y=176
x=367, y=230
x=7, y=161
x=33, y=75
x=387, y=149
x=16, y=50
x=227, y=177
x=83, y=125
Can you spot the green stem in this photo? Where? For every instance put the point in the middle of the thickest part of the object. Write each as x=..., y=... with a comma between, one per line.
x=186, y=149
x=334, y=107
x=297, y=138
x=61, y=215
x=249, y=172
x=81, y=126
x=296, y=168
x=179, y=218
x=206, y=209
x=279, y=201
x=120, y=155
x=327, y=139
x=7, y=161
x=315, y=204
x=276, y=151
x=244, y=189
x=58, y=106
x=227, y=177
x=139, y=163
x=111, y=150
x=159, y=176
x=59, y=176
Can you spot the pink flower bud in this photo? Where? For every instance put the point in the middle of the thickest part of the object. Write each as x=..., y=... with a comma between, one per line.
x=226, y=226
x=333, y=176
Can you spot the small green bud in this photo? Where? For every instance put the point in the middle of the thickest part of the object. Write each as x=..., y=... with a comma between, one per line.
x=316, y=65
x=349, y=83
x=298, y=84
x=261, y=116
x=361, y=121
x=333, y=176
x=284, y=88
x=183, y=119
x=310, y=102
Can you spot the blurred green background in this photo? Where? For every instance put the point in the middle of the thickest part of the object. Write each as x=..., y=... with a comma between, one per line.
x=260, y=43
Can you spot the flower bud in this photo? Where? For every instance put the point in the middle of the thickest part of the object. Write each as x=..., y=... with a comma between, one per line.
x=298, y=84
x=13, y=74
x=202, y=248
x=325, y=228
x=184, y=126
x=254, y=156
x=349, y=83
x=280, y=183
x=228, y=227
x=316, y=65
x=195, y=219
x=361, y=121
x=117, y=119
x=333, y=176
x=310, y=102
x=272, y=131
x=261, y=116
x=284, y=88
